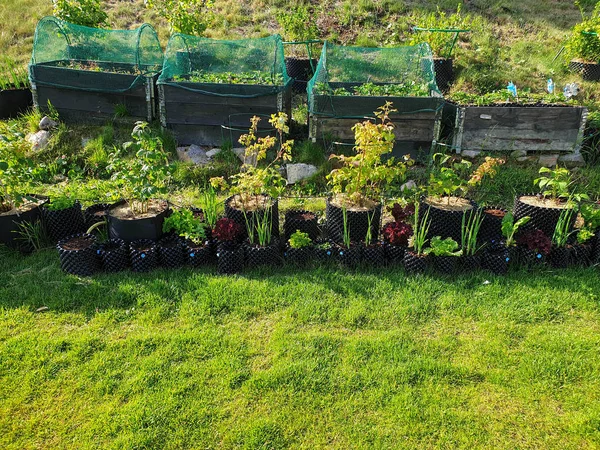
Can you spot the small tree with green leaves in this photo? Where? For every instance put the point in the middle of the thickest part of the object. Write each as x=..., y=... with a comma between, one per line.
x=584, y=44
x=88, y=13
x=184, y=16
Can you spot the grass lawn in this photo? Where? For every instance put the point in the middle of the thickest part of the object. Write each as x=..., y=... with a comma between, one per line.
x=281, y=358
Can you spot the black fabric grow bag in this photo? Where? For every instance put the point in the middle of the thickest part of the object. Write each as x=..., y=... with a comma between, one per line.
x=323, y=254
x=300, y=256
x=14, y=102
x=542, y=218
x=589, y=71
x=560, y=257
x=199, y=254
x=238, y=216
x=491, y=225
x=10, y=226
x=414, y=263
x=470, y=263
x=80, y=260
x=63, y=223
x=497, y=261
x=358, y=223
x=528, y=258
x=114, y=255
x=348, y=257
x=394, y=254
x=255, y=256
x=171, y=251
x=95, y=214
x=442, y=222
x=230, y=259
x=130, y=230
x=374, y=255
x=447, y=265
x=581, y=254
x=305, y=221
x=144, y=255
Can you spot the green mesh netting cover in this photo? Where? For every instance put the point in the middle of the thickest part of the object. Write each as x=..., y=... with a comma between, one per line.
x=372, y=72
x=208, y=66
x=64, y=45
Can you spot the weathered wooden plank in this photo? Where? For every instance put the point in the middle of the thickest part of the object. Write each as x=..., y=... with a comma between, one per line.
x=361, y=106
x=404, y=130
x=559, y=141
x=216, y=114
x=177, y=95
x=527, y=118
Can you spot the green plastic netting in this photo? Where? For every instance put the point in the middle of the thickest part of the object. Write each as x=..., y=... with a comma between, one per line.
x=210, y=66
x=61, y=44
x=371, y=72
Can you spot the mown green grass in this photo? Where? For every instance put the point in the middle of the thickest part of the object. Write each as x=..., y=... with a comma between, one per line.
x=282, y=358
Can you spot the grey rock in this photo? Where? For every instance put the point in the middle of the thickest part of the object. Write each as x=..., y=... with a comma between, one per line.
x=518, y=153
x=39, y=141
x=548, y=160
x=193, y=154
x=214, y=152
x=47, y=123
x=470, y=153
x=241, y=154
x=572, y=159
x=410, y=184
x=298, y=172
x=524, y=159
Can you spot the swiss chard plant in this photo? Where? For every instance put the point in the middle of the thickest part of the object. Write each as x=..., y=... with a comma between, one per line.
x=183, y=223
x=146, y=174
x=363, y=177
x=510, y=228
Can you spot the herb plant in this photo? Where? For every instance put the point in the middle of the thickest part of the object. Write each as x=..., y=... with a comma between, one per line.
x=299, y=239
x=210, y=206
x=184, y=224
x=510, y=228
x=145, y=175
x=471, y=223
x=60, y=203
x=407, y=89
x=363, y=177
x=443, y=247
x=346, y=232
x=561, y=231
x=584, y=235
x=255, y=77
x=421, y=228
x=499, y=97
x=258, y=227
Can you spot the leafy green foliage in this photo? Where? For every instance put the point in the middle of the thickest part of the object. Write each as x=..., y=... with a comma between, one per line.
x=563, y=231
x=555, y=183
x=363, y=177
x=420, y=230
x=145, y=175
x=510, y=228
x=408, y=89
x=591, y=215
x=583, y=43
x=443, y=247
x=16, y=175
x=299, y=239
x=184, y=224
x=298, y=24
x=471, y=223
x=61, y=202
x=255, y=77
x=498, y=97
x=88, y=13
x=184, y=16
x=12, y=76
x=210, y=206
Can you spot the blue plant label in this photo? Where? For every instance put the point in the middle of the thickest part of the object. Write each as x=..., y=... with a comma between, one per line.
x=328, y=252
x=143, y=255
x=192, y=255
x=512, y=89
x=97, y=252
x=539, y=256
x=341, y=253
x=285, y=254
x=507, y=259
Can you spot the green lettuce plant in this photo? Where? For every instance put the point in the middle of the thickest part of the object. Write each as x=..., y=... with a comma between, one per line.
x=299, y=239
x=443, y=247
x=183, y=223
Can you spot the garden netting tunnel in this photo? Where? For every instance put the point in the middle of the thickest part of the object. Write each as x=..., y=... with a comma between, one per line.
x=90, y=73
x=209, y=89
x=350, y=83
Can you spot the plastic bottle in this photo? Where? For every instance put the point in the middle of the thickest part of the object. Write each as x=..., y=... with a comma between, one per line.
x=550, y=86
x=512, y=89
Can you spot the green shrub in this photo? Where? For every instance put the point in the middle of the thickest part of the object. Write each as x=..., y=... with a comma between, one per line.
x=88, y=13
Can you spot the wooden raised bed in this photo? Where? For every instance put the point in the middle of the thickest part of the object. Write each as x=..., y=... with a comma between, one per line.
x=416, y=124
x=555, y=129
x=88, y=96
x=197, y=116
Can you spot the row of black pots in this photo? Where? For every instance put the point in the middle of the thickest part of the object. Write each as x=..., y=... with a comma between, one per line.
x=11, y=222
x=14, y=102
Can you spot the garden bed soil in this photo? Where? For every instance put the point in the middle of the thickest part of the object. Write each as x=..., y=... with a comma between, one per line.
x=78, y=255
x=544, y=212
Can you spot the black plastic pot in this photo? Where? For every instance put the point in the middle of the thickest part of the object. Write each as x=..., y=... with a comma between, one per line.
x=171, y=250
x=348, y=257
x=491, y=225
x=581, y=254
x=14, y=102
x=304, y=221
x=130, y=230
x=442, y=222
x=595, y=254
x=374, y=255
x=414, y=263
x=238, y=216
x=95, y=214
x=10, y=225
x=588, y=71
x=144, y=255
x=77, y=255
x=230, y=259
x=199, y=254
x=300, y=256
x=447, y=265
x=255, y=255
x=560, y=257
x=114, y=255
x=323, y=254
x=529, y=258
x=444, y=72
x=497, y=261
x=470, y=263
x=542, y=218
x=358, y=223
x=394, y=254
x=63, y=223
x=301, y=70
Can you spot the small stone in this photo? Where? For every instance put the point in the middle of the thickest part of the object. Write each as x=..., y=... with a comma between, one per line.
x=298, y=172
x=548, y=160
x=518, y=153
x=470, y=153
x=193, y=154
x=572, y=159
x=39, y=141
x=47, y=123
x=524, y=159
x=241, y=154
x=214, y=152
x=408, y=186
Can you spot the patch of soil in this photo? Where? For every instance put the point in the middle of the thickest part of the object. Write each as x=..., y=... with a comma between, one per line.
x=303, y=216
x=124, y=212
x=78, y=243
x=450, y=203
x=342, y=201
x=143, y=248
x=7, y=210
x=99, y=213
x=544, y=202
x=250, y=203
x=495, y=213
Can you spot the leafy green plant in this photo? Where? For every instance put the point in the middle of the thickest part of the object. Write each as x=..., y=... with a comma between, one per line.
x=259, y=227
x=443, y=247
x=88, y=13
x=299, y=239
x=363, y=177
x=210, y=206
x=184, y=16
x=420, y=230
x=510, y=228
x=61, y=202
x=471, y=223
x=407, y=89
x=369, y=234
x=298, y=24
x=555, y=184
x=254, y=77
x=32, y=235
x=591, y=215
x=584, y=235
x=583, y=43
x=16, y=176
x=184, y=224
x=346, y=229
x=145, y=175
x=525, y=97
x=13, y=76
x=562, y=232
